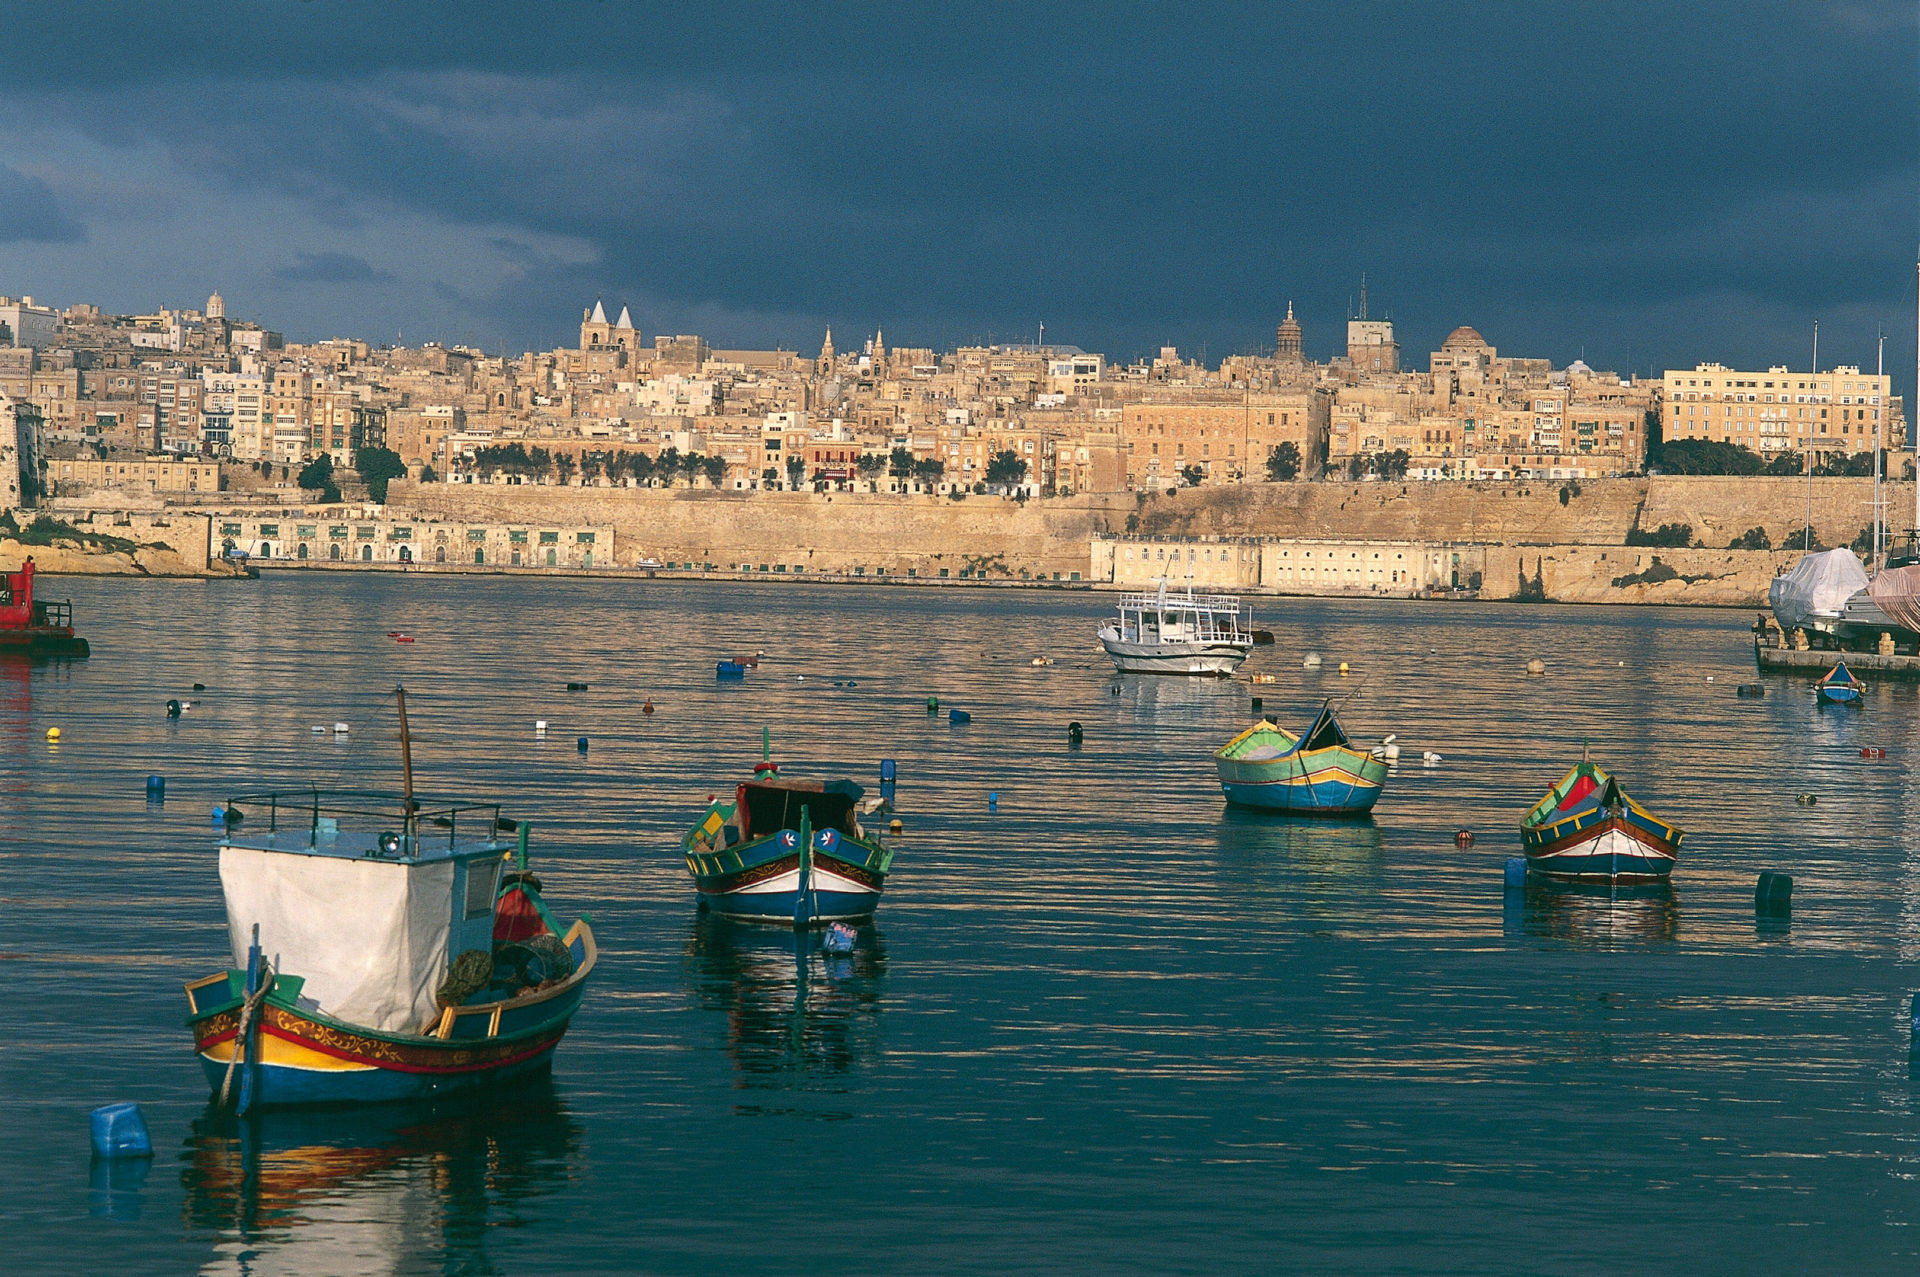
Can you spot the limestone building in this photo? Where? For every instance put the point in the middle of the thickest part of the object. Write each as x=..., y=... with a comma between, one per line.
x=1818, y=415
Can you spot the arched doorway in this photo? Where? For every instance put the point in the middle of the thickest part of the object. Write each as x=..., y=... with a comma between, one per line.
x=406, y=554
x=479, y=556
x=552, y=558
x=440, y=554
x=366, y=554
x=333, y=552
x=303, y=550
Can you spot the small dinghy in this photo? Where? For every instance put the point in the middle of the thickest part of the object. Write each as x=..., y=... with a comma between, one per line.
x=1839, y=686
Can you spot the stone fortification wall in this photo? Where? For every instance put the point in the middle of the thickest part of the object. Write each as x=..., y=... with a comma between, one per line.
x=1632, y=574
x=814, y=532
x=1527, y=513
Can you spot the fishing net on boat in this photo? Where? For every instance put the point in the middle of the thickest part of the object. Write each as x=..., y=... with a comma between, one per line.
x=1817, y=587
x=471, y=972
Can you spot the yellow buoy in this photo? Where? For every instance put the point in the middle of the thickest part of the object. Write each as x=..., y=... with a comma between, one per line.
x=1343, y=667
x=895, y=827
x=53, y=733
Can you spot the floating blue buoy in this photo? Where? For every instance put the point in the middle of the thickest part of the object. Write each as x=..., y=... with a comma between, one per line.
x=1773, y=895
x=1516, y=871
x=1913, y=1044
x=581, y=744
x=156, y=789
x=839, y=938
x=958, y=716
x=219, y=815
x=118, y=1130
x=730, y=669
x=886, y=769
x=993, y=800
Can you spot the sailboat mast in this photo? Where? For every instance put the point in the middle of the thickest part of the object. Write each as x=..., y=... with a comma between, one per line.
x=406, y=758
x=1879, y=426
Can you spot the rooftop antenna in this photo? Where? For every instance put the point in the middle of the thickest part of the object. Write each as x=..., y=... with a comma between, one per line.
x=1363, y=294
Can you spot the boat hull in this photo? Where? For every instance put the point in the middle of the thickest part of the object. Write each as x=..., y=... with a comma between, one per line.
x=1839, y=693
x=41, y=641
x=1321, y=782
x=770, y=891
x=300, y=1057
x=1215, y=659
x=1611, y=848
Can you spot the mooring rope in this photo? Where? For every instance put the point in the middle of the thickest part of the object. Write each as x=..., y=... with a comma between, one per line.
x=247, y=1011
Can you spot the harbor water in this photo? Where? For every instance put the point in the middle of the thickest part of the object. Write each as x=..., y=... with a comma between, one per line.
x=1102, y=1023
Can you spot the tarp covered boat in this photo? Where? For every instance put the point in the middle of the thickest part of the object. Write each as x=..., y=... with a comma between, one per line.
x=1316, y=774
x=787, y=851
x=1814, y=594
x=375, y=964
x=1588, y=828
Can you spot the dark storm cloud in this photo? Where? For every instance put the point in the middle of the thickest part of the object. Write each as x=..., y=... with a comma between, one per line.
x=29, y=212
x=1655, y=181
x=331, y=268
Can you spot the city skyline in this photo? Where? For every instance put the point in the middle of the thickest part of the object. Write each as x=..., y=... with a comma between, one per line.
x=1641, y=195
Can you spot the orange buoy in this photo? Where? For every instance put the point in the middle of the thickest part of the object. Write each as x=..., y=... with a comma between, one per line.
x=1464, y=838
x=647, y=708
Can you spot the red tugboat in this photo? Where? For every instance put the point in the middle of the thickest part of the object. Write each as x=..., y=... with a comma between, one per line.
x=34, y=629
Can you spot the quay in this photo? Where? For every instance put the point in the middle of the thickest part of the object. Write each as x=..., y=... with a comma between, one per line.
x=1787, y=660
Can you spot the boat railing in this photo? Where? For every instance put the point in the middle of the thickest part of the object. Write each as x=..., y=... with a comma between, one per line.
x=1210, y=616
x=54, y=614
x=327, y=811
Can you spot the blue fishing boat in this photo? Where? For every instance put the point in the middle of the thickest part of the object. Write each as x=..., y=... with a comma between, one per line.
x=1839, y=686
x=784, y=851
x=386, y=948
x=1319, y=773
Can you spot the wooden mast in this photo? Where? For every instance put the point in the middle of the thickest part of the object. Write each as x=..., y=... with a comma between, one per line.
x=406, y=760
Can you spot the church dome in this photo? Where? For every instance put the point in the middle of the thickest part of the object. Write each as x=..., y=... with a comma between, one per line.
x=1462, y=336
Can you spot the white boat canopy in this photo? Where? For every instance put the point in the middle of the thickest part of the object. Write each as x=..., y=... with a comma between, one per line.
x=1817, y=588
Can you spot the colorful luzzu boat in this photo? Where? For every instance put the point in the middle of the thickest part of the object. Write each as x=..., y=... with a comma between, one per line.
x=1587, y=828
x=384, y=949
x=787, y=851
x=1318, y=774
x=1839, y=686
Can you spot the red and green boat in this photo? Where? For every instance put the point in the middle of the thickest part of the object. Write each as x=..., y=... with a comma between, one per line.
x=1587, y=828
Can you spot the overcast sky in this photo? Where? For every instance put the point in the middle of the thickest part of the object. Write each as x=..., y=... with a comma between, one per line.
x=1650, y=184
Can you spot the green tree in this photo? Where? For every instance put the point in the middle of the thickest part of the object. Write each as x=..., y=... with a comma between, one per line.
x=591, y=465
x=769, y=477
x=641, y=467
x=376, y=468
x=1757, y=539
x=317, y=476
x=1785, y=463
x=1708, y=456
x=564, y=465
x=715, y=469
x=1283, y=462
x=930, y=470
x=796, y=470
x=1006, y=468
x=1677, y=535
x=1394, y=464
x=872, y=466
x=900, y=463
x=1192, y=476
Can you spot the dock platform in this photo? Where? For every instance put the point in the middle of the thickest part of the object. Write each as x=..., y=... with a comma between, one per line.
x=1868, y=665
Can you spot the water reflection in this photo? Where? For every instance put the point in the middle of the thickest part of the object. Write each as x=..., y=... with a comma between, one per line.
x=375, y=1190
x=1595, y=915
x=16, y=728
x=792, y=1009
x=1262, y=843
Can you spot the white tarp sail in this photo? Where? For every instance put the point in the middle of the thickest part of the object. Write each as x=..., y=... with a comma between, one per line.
x=369, y=936
x=1818, y=586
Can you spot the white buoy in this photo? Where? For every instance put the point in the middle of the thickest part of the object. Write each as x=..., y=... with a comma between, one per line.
x=319, y=730
x=1429, y=758
x=539, y=727
x=340, y=729
x=1311, y=660
x=1389, y=750
x=1709, y=678
x=1536, y=667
